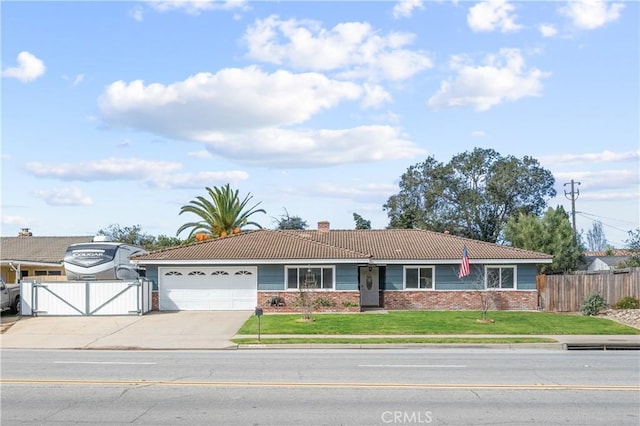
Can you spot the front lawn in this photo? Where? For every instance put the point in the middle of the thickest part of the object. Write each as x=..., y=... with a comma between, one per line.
x=436, y=322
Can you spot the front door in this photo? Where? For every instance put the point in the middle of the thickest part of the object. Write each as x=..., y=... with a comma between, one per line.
x=369, y=286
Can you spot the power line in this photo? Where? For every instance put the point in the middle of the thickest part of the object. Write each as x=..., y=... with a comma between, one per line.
x=605, y=224
x=609, y=218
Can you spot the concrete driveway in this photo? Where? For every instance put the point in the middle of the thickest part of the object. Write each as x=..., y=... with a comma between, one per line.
x=156, y=330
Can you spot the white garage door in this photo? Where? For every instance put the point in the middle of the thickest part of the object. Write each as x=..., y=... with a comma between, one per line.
x=207, y=289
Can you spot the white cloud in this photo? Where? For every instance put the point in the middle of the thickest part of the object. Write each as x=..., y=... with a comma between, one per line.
x=493, y=15
x=405, y=8
x=29, y=68
x=107, y=169
x=242, y=114
x=155, y=174
x=196, y=180
x=592, y=14
x=72, y=196
x=591, y=157
x=273, y=147
x=609, y=196
x=353, y=49
x=600, y=180
x=203, y=153
x=195, y=7
x=15, y=220
x=354, y=191
x=548, y=30
x=503, y=77
x=137, y=13
x=190, y=7
x=205, y=105
x=478, y=134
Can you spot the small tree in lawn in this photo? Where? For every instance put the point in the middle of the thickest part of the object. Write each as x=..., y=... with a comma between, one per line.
x=307, y=287
x=486, y=293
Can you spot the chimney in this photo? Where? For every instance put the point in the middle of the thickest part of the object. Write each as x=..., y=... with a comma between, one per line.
x=24, y=232
x=323, y=226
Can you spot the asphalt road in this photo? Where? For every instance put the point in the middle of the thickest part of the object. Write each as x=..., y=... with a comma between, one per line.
x=317, y=387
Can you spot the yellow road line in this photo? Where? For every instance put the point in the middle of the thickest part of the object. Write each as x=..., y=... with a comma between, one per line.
x=462, y=386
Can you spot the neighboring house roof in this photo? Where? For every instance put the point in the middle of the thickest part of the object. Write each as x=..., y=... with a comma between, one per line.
x=377, y=245
x=612, y=253
x=37, y=250
x=599, y=260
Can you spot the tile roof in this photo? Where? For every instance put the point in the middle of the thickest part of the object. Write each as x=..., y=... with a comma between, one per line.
x=608, y=253
x=37, y=249
x=378, y=244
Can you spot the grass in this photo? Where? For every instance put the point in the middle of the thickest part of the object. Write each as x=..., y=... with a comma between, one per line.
x=436, y=322
x=397, y=340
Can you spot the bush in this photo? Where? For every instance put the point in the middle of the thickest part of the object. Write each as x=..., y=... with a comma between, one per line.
x=323, y=302
x=627, y=303
x=592, y=305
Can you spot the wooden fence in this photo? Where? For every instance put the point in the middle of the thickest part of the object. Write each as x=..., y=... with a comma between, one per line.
x=565, y=293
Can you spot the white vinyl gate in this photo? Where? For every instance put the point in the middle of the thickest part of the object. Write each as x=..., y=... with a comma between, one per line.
x=85, y=298
x=196, y=288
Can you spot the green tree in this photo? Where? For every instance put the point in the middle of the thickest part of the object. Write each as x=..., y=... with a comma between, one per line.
x=473, y=195
x=633, y=245
x=128, y=234
x=221, y=213
x=291, y=222
x=596, y=240
x=361, y=223
x=134, y=235
x=552, y=234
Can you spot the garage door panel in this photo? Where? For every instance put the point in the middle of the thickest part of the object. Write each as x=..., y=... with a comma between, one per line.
x=210, y=288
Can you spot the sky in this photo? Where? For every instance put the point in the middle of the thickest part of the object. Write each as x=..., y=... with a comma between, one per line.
x=122, y=112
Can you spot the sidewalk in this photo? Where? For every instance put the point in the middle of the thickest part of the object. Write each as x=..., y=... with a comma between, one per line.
x=192, y=330
x=562, y=341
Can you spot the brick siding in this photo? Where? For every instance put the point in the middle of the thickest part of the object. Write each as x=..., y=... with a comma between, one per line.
x=341, y=301
x=458, y=300
x=155, y=301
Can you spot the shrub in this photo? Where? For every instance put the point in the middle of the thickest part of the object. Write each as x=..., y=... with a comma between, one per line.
x=350, y=304
x=592, y=305
x=323, y=302
x=627, y=303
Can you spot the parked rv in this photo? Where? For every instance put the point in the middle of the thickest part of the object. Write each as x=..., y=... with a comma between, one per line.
x=102, y=260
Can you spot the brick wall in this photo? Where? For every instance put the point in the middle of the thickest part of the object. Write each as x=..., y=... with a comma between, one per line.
x=458, y=300
x=338, y=300
x=155, y=302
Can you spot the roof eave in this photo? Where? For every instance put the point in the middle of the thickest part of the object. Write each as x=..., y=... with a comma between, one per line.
x=161, y=262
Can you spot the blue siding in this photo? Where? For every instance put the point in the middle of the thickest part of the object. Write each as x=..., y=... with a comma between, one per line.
x=394, y=278
x=346, y=277
x=527, y=277
x=447, y=278
x=271, y=277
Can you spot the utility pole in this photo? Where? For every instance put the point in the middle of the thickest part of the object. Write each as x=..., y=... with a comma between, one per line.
x=573, y=196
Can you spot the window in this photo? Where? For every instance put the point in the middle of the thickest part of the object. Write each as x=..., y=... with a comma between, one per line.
x=319, y=277
x=170, y=273
x=219, y=273
x=196, y=273
x=501, y=277
x=418, y=277
x=47, y=273
x=243, y=273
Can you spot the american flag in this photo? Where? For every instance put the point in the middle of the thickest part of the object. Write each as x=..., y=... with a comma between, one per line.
x=464, y=265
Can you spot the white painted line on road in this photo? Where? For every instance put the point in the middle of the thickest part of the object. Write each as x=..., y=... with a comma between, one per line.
x=105, y=362
x=413, y=365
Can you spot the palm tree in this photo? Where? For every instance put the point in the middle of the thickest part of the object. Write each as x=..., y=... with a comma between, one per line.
x=222, y=214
